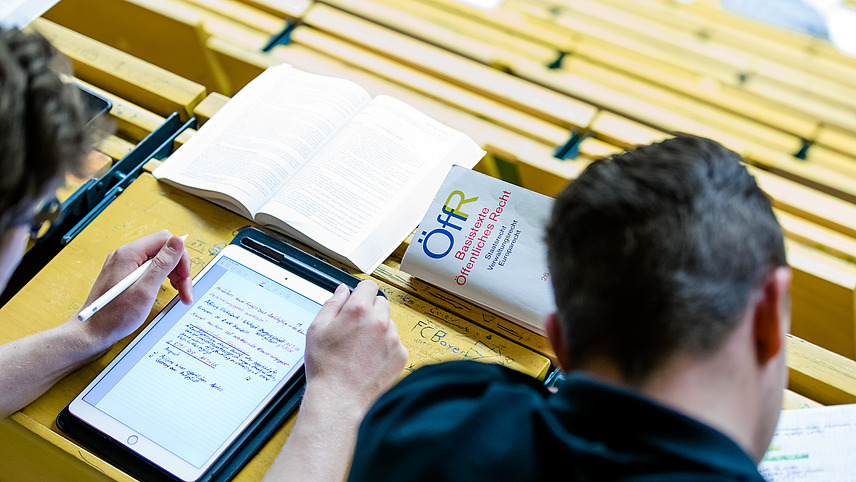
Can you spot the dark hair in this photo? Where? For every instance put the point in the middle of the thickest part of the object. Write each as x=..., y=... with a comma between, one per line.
x=657, y=250
x=42, y=125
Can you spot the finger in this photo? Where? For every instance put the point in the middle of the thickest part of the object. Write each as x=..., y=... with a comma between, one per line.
x=142, y=249
x=185, y=291
x=380, y=307
x=365, y=292
x=179, y=278
x=361, y=302
x=164, y=261
x=333, y=306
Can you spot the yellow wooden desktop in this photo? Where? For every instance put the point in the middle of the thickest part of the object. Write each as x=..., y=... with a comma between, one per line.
x=32, y=447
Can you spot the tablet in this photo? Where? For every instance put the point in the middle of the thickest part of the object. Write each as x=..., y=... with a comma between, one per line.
x=189, y=384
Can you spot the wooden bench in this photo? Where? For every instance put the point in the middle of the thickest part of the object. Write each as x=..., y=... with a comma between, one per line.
x=124, y=75
x=461, y=34
x=716, y=15
x=290, y=10
x=653, y=70
x=133, y=123
x=764, y=100
x=819, y=374
x=764, y=146
x=550, y=106
x=817, y=237
x=733, y=65
x=166, y=33
x=823, y=299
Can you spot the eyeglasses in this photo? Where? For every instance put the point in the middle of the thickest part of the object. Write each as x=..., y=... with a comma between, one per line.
x=42, y=219
x=48, y=216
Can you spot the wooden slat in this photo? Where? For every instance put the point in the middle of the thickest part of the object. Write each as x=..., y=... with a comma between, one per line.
x=794, y=400
x=817, y=237
x=114, y=147
x=133, y=122
x=166, y=33
x=838, y=139
x=460, y=34
x=208, y=107
x=550, y=106
x=819, y=374
x=290, y=10
x=823, y=300
x=124, y=75
x=817, y=207
x=239, y=12
x=431, y=87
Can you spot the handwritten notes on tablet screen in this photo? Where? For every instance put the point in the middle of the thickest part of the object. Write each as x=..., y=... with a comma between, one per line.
x=204, y=368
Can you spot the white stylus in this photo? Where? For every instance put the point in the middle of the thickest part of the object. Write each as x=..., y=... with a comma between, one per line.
x=116, y=290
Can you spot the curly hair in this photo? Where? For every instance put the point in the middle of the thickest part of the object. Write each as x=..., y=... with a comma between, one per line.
x=42, y=124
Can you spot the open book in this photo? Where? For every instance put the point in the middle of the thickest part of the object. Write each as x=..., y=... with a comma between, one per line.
x=483, y=239
x=317, y=159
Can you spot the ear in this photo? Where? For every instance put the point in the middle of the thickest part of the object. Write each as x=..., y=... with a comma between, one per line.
x=556, y=336
x=772, y=315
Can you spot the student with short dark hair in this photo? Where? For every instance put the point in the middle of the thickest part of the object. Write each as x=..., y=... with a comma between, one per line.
x=671, y=284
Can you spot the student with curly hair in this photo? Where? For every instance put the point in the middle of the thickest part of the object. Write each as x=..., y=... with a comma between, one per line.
x=353, y=349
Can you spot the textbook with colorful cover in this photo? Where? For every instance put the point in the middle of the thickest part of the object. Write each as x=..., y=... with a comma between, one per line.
x=318, y=159
x=483, y=239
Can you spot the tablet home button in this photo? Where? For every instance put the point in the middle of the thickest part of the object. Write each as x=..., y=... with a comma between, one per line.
x=132, y=439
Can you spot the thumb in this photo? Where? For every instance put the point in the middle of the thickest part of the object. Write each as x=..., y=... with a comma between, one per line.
x=333, y=306
x=163, y=263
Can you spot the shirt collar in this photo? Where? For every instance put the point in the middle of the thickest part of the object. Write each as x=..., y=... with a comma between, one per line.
x=646, y=424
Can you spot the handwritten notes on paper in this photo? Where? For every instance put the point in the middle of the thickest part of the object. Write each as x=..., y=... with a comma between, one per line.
x=813, y=444
x=203, y=369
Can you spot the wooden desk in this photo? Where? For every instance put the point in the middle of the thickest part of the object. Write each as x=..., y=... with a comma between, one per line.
x=58, y=290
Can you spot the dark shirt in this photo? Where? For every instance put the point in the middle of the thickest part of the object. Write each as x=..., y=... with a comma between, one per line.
x=473, y=421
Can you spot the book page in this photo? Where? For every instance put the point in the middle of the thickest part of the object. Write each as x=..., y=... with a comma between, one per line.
x=264, y=134
x=376, y=176
x=813, y=444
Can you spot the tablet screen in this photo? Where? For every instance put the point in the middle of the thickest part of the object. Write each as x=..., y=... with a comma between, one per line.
x=187, y=385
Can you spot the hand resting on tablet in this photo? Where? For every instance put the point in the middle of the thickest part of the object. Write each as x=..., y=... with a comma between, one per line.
x=353, y=355
x=33, y=364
